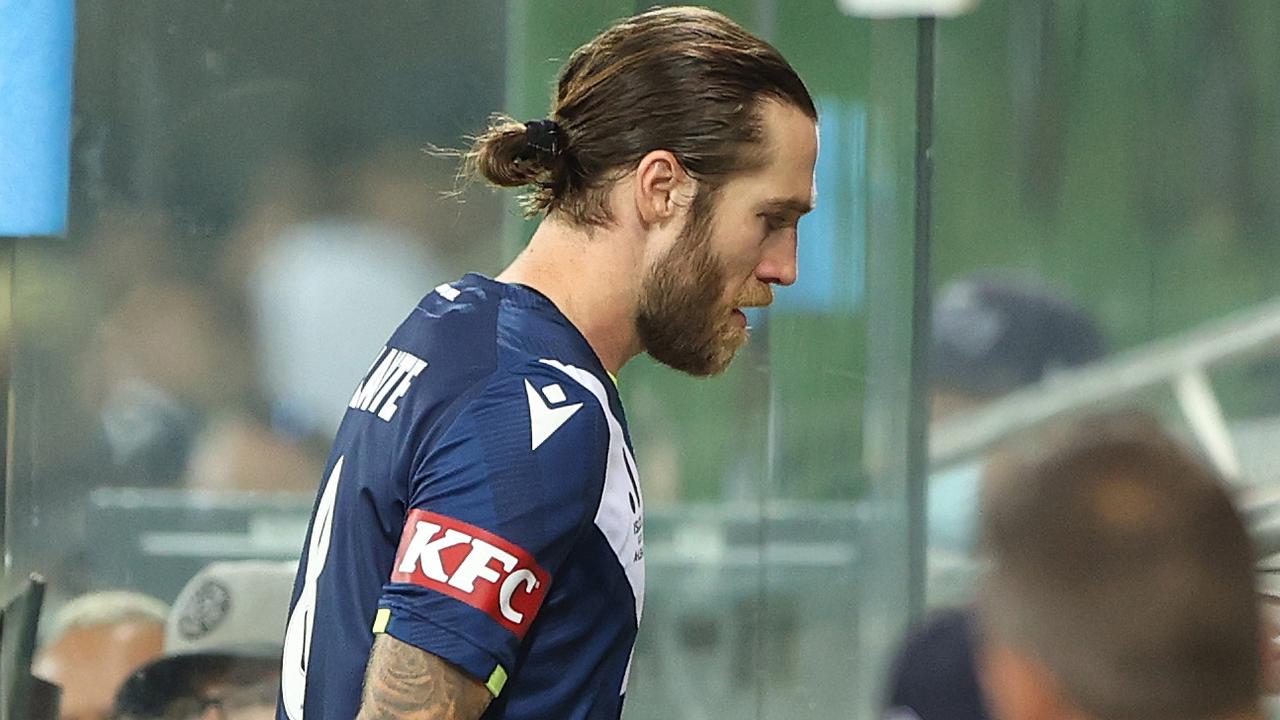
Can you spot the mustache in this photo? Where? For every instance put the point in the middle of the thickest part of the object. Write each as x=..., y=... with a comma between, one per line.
x=757, y=296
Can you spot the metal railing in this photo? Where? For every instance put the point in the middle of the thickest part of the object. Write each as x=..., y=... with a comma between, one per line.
x=1180, y=362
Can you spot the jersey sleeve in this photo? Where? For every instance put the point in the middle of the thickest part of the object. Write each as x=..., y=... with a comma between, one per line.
x=495, y=507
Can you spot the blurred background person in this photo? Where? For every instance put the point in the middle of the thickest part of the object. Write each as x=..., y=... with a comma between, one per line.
x=341, y=229
x=933, y=676
x=222, y=647
x=94, y=643
x=990, y=336
x=171, y=380
x=1120, y=582
x=163, y=352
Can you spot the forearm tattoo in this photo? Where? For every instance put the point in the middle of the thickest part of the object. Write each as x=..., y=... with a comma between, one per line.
x=405, y=683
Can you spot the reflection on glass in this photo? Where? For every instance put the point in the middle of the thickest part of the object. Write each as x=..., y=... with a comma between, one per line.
x=251, y=200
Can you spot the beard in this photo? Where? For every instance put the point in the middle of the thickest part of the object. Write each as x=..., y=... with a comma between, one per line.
x=682, y=320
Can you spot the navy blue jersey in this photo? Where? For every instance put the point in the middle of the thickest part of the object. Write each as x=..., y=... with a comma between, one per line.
x=481, y=502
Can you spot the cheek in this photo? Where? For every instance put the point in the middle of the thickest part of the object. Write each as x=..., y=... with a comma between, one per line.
x=741, y=239
x=738, y=247
x=741, y=257
x=745, y=267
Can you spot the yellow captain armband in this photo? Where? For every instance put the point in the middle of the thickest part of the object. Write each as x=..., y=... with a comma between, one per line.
x=497, y=681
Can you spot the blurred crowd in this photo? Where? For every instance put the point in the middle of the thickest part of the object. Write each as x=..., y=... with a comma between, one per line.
x=214, y=655
x=197, y=352
x=209, y=362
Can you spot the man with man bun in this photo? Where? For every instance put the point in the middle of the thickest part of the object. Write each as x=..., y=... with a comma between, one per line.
x=477, y=547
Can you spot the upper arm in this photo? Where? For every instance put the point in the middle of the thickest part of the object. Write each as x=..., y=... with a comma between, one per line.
x=405, y=683
x=496, y=505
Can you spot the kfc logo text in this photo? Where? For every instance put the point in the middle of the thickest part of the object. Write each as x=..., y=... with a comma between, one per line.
x=471, y=565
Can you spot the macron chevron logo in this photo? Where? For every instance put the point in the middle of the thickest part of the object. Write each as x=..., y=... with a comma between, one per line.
x=545, y=419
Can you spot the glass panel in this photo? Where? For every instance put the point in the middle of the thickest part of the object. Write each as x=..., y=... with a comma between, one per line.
x=778, y=561
x=252, y=214
x=1105, y=223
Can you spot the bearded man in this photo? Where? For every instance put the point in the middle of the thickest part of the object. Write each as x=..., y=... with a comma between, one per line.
x=477, y=549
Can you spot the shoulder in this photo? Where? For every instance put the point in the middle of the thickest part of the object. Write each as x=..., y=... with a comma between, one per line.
x=533, y=435
x=544, y=401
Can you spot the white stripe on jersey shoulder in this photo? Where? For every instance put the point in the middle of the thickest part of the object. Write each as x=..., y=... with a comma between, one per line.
x=448, y=292
x=620, y=516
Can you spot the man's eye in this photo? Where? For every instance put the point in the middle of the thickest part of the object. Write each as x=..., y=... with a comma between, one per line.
x=774, y=222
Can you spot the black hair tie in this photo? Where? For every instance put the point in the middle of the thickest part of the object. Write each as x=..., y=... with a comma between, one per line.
x=543, y=137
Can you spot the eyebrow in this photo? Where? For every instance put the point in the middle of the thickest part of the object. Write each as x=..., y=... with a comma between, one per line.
x=799, y=207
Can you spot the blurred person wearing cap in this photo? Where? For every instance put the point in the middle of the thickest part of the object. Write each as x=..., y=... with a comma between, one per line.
x=222, y=645
x=96, y=641
x=1120, y=582
x=991, y=336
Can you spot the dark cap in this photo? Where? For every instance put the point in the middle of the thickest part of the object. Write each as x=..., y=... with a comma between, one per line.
x=992, y=336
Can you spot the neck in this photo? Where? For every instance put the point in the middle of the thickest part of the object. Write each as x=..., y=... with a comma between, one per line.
x=592, y=277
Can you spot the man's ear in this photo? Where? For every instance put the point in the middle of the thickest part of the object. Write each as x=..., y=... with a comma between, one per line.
x=663, y=188
x=1020, y=687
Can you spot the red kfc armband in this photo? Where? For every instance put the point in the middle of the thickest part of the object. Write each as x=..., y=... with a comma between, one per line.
x=475, y=566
